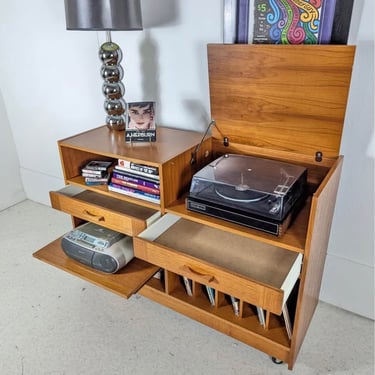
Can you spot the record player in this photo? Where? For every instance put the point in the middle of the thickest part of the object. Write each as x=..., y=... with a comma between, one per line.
x=260, y=193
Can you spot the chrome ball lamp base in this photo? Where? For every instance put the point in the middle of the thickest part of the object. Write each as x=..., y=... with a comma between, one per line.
x=113, y=89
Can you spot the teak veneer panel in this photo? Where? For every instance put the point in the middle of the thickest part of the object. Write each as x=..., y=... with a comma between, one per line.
x=107, y=143
x=321, y=214
x=280, y=97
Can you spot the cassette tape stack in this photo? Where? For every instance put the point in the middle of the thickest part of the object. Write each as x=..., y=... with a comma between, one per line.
x=259, y=193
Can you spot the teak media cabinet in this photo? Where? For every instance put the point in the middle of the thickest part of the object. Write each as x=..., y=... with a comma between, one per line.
x=281, y=102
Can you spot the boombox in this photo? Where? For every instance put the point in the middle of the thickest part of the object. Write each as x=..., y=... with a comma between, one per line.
x=98, y=247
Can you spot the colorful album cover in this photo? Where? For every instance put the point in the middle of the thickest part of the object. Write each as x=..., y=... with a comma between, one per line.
x=293, y=21
x=140, y=122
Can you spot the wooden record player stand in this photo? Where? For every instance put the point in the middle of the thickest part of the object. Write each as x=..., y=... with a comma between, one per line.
x=282, y=102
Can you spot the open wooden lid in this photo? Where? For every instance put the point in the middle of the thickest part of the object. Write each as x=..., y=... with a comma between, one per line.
x=280, y=97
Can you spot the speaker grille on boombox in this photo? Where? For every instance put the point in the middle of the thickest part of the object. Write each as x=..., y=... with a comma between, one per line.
x=104, y=263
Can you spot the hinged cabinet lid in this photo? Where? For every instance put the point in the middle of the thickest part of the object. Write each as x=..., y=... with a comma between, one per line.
x=280, y=97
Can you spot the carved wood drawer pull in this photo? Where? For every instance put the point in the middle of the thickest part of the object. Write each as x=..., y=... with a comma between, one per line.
x=97, y=217
x=206, y=277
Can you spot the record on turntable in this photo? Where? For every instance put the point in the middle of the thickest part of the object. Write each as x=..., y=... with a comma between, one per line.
x=247, y=187
x=243, y=196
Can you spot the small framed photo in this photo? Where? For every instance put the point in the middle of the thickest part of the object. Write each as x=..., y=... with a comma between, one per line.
x=140, y=122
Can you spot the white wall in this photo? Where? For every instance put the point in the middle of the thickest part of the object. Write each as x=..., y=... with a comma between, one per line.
x=52, y=89
x=11, y=188
x=348, y=280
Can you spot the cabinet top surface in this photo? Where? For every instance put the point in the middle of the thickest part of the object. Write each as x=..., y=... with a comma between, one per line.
x=280, y=97
x=169, y=143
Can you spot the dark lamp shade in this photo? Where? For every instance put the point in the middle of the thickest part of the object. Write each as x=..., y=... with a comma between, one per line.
x=103, y=15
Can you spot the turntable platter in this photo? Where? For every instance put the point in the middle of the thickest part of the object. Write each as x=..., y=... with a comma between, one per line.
x=243, y=196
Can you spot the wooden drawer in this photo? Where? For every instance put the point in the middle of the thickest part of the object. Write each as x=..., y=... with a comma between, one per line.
x=258, y=273
x=109, y=212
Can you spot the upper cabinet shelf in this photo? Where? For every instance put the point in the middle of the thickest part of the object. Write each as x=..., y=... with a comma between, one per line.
x=171, y=153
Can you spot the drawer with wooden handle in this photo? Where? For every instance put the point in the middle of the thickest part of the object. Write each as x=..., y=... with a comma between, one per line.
x=258, y=273
x=121, y=216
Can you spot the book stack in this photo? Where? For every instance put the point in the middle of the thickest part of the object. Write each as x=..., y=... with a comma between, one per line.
x=96, y=172
x=136, y=180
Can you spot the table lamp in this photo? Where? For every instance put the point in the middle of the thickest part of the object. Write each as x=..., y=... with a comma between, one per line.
x=108, y=15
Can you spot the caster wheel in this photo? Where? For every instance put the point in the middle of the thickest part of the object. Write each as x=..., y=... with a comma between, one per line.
x=276, y=361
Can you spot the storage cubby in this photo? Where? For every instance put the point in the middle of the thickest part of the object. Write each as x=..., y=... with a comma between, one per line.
x=245, y=326
x=285, y=103
x=247, y=317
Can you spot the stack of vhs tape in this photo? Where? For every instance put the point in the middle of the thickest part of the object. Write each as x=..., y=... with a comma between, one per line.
x=96, y=172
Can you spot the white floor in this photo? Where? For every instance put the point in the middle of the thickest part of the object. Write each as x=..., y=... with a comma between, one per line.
x=52, y=323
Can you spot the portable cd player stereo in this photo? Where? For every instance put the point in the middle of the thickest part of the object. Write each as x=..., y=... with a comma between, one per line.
x=98, y=247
